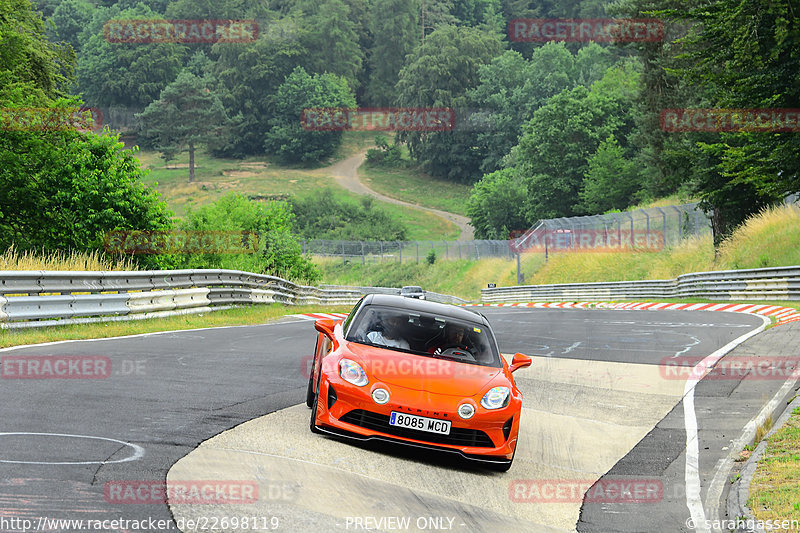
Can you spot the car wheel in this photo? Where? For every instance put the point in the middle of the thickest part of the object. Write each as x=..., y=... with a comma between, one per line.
x=310, y=388
x=313, y=422
x=310, y=391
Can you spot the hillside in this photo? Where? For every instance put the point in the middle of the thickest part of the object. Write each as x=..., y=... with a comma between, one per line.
x=768, y=239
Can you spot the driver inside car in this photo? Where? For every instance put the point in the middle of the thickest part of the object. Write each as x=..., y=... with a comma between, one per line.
x=455, y=337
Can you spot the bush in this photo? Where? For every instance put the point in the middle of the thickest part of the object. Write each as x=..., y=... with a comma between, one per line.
x=322, y=216
x=279, y=252
x=286, y=136
x=65, y=190
x=385, y=155
x=431, y=257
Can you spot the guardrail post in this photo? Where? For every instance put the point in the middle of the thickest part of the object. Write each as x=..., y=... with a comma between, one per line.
x=363, y=256
x=381, y=251
x=400, y=251
x=417, y=243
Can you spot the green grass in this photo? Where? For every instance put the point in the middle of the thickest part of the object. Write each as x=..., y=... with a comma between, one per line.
x=768, y=239
x=216, y=177
x=414, y=186
x=256, y=314
x=421, y=225
x=459, y=277
x=771, y=238
x=775, y=490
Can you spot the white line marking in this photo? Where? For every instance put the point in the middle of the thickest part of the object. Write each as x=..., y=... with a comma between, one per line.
x=138, y=451
x=692, y=470
x=570, y=348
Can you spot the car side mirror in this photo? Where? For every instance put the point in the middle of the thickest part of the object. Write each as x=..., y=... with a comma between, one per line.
x=520, y=360
x=325, y=326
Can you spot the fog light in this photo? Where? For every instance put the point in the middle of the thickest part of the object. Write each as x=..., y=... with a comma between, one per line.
x=380, y=396
x=466, y=410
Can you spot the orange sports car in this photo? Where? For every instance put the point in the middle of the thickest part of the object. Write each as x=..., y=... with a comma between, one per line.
x=418, y=373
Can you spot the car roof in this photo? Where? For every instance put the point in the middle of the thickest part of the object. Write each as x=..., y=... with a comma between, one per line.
x=426, y=306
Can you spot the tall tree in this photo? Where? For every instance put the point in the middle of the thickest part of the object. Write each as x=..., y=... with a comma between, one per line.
x=557, y=144
x=69, y=20
x=611, y=179
x=286, y=136
x=248, y=78
x=740, y=71
x=126, y=74
x=60, y=189
x=31, y=68
x=439, y=74
x=395, y=31
x=186, y=115
x=333, y=39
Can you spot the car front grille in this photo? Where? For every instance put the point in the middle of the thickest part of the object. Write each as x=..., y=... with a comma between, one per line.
x=379, y=422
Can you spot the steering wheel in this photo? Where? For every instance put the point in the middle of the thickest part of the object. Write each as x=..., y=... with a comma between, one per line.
x=457, y=351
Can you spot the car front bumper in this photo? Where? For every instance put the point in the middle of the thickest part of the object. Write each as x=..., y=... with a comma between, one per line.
x=350, y=412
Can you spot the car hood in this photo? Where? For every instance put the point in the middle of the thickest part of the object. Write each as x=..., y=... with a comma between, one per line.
x=418, y=372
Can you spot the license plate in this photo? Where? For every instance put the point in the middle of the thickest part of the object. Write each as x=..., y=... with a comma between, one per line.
x=420, y=423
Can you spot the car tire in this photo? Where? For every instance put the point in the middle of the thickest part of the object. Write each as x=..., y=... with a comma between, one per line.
x=313, y=422
x=310, y=388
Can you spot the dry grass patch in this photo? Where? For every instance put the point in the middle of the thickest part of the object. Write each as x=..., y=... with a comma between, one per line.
x=11, y=259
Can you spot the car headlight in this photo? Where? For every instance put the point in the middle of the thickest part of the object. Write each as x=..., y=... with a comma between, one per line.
x=352, y=372
x=496, y=398
x=466, y=410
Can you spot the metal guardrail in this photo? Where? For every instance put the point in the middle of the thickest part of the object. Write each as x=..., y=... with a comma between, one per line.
x=429, y=295
x=44, y=298
x=780, y=283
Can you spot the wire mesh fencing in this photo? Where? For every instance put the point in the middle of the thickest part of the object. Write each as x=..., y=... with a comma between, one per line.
x=405, y=251
x=649, y=229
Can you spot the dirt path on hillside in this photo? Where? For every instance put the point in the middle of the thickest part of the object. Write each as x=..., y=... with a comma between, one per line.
x=346, y=174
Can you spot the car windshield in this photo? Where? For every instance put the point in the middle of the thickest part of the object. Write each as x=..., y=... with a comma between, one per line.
x=425, y=334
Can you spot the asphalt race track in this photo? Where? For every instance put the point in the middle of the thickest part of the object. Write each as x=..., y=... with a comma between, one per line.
x=597, y=406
